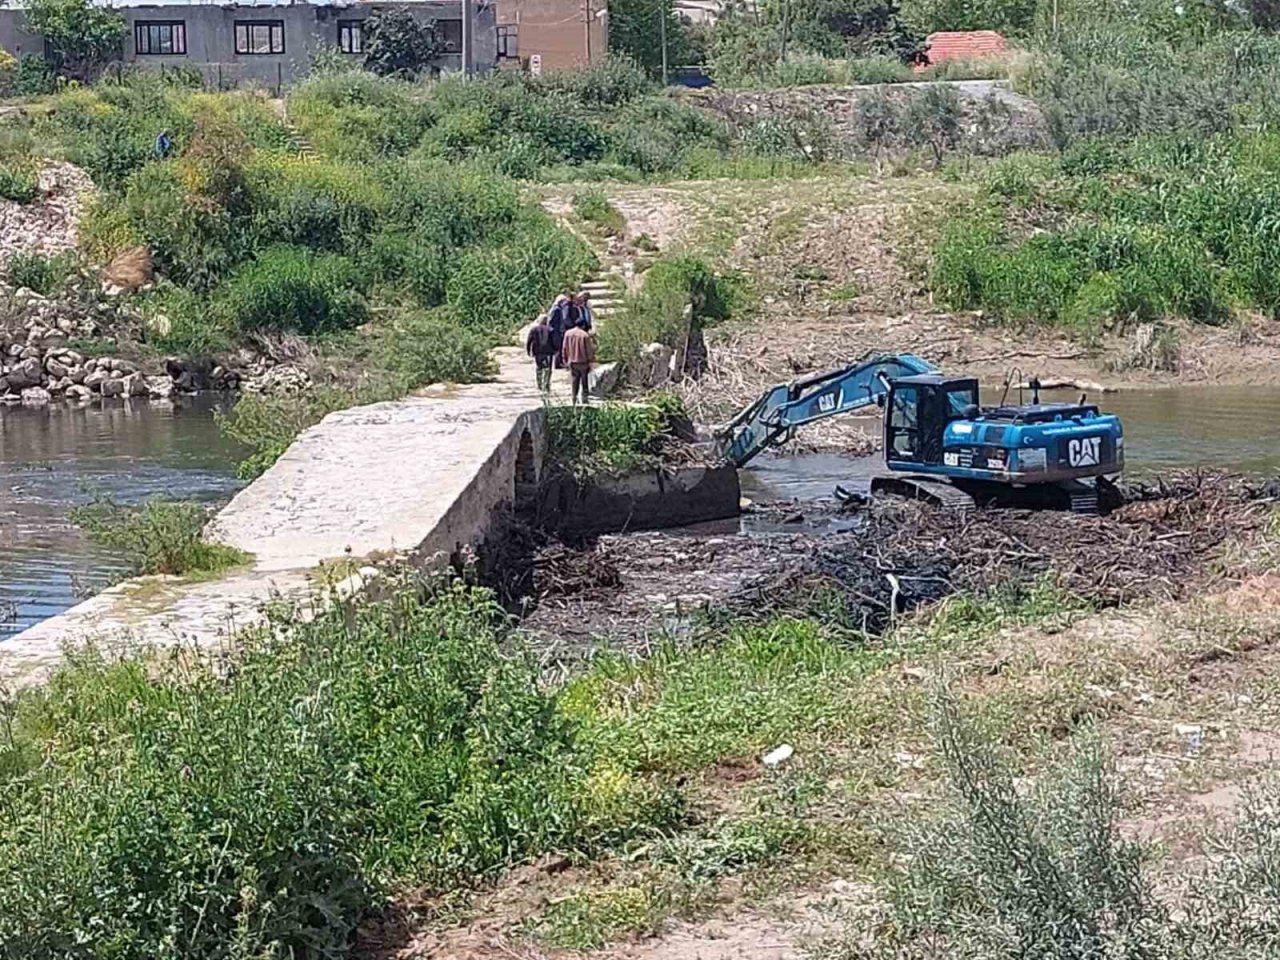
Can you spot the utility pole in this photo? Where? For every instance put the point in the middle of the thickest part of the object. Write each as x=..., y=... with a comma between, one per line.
x=468, y=38
x=786, y=27
x=587, y=15
x=662, y=17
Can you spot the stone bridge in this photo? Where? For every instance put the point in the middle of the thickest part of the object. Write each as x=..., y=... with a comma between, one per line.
x=419, y=477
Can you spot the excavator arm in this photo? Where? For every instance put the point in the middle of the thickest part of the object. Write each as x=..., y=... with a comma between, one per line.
x=773, y=418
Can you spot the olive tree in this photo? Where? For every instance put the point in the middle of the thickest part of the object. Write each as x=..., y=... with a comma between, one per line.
x=81, y=38
x=396, y=44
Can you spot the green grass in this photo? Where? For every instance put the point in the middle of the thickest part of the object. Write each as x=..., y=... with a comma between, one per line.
x=161, y=536
x=610, y=439
x=19, y=180
x=39, y=272
x=1111, y=236
x=261, y=805
x=593, y=207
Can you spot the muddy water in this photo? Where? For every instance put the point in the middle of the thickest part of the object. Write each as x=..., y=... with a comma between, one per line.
x=1217, y=428
x=56, y=457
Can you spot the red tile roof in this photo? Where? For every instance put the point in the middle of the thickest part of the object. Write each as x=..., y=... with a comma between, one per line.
x=968, y=45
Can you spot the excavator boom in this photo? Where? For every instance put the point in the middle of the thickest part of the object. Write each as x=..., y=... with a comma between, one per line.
x=773, y=418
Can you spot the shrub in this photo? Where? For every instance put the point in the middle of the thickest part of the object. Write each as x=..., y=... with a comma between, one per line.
x=614, y=81
x=39, y=272
x=356, y=116
x=497, y=289
x=316, y=203
x=657, y=313
x=19, y=180
x=147, y=831
x=8, y=73
x=290, y=288
x=105, y=230
x=990, y=68
x=193, y=244
x=933, y=118
x=1008, y=872
x=592, y=206
x=613, y=438
x=865, y=70
x=162, y=536
x=421, y=348
x=34, y=77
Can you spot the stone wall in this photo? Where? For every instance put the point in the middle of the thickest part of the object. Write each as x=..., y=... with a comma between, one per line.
x=994, y=120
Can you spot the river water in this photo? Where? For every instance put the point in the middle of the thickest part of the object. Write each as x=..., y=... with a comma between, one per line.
x=1235, y=429
x=56, y=457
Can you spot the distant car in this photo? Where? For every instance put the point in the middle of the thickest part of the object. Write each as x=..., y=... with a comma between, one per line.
x=695, y=77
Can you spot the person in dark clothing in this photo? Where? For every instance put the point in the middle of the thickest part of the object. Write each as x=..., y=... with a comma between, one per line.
x=559, y=323
x=582, y=302
x=164, y=145
x=542, y=347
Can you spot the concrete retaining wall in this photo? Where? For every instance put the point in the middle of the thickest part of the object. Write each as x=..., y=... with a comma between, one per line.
x=641, y=500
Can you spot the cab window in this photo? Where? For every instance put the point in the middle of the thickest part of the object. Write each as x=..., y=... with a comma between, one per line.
x=960, y=398
x=905, y=405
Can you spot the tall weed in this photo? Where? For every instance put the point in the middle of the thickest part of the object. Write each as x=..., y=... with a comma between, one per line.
x=161, y=536
x=260, y=811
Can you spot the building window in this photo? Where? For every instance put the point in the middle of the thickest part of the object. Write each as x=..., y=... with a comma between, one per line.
x=160, y=37
x=451, y=33
x=349, y=38
x=259, y=36
x=509, y=42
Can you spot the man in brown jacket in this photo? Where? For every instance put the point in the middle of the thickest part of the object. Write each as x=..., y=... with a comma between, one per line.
x=579, y=353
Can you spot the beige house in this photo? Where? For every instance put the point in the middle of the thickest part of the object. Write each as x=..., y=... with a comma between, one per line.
x=541, y=35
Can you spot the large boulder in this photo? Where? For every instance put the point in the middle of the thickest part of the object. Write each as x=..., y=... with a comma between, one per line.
x=603, y=380
x=654, y=365
x=114, y=388
x=96, y=379
x=35, y=397
x=135, y=385
x=25, y=373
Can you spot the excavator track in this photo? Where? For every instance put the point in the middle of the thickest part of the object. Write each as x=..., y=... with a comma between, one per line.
x=938, y=492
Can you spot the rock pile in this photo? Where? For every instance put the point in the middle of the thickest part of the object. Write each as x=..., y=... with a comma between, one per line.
x=48, y=226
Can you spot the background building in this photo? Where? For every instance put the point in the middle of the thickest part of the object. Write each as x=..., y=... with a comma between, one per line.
x=561, y=34
x=268, y=43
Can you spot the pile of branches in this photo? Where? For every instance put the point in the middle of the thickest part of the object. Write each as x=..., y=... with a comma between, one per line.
x=527, y=567
x=1161, y=543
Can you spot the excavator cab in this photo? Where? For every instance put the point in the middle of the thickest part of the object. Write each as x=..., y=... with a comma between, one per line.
x=917, y=411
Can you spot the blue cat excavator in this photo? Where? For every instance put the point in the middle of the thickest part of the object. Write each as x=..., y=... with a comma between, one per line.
x=940, y=444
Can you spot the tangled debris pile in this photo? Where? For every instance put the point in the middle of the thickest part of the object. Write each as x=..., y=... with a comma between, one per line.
x=902, y=556
x=1161, y=543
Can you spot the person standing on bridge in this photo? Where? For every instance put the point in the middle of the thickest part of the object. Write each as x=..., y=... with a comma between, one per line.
x=542, y=346
x=559, y=321
x=579, y=354
x=582, y=302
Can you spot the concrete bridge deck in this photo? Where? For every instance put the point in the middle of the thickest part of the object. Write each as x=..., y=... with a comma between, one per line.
x=419, y=476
